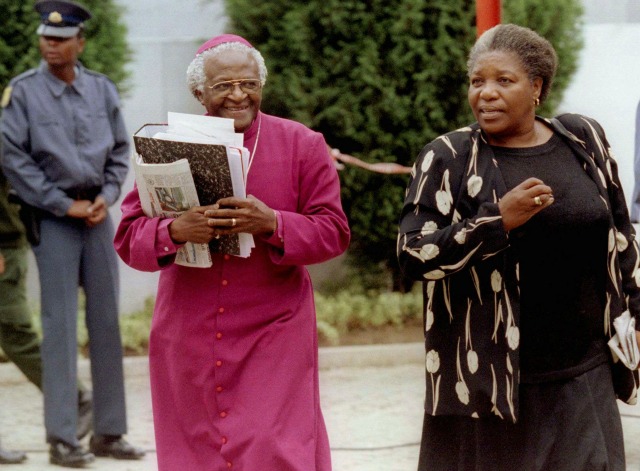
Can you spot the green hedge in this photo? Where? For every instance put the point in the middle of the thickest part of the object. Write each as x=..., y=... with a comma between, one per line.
x=344, y=312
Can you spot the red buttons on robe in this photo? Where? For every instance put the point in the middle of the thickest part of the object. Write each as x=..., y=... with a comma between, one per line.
x=219, y=335
x=229, y=464
x=224, y=440
x=218, y=363
x=227, y=256
x=219, y=389
x=223, y=414
x=225, y=282
x=220, y=310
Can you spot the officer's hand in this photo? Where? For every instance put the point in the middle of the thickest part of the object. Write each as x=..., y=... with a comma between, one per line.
x=97, y=212
x=79, y=209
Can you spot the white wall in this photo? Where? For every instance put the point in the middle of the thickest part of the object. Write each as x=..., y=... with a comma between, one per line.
x=611, y=11
x=607, y=88
x=164, y=36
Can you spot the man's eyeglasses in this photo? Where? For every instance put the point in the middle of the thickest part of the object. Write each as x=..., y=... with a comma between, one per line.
x=248, y=86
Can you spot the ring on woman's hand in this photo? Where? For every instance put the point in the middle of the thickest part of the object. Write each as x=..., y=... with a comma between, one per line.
x=217, y=236
x=233, y=222
x=537, y=201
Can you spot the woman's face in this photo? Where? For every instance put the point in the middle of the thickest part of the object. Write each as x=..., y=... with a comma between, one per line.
x=238, y=105
x=502, y=96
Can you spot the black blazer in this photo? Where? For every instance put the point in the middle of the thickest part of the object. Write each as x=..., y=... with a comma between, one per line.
x=452, y=238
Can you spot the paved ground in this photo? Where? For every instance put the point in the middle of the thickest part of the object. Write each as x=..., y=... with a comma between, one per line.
x=371, y=397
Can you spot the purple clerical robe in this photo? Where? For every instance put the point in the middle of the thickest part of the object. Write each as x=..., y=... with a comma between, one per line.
x=233, y=348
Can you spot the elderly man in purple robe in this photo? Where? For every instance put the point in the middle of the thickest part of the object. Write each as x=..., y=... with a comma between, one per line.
x=233, y=348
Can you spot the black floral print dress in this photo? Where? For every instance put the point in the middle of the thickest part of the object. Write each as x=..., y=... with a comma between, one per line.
x=452, y=239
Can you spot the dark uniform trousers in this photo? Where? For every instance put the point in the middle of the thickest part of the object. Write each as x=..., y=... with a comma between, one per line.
x=71, y=254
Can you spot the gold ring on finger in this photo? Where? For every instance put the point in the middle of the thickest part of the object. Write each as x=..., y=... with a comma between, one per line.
x=537, y=201
x=233, y=222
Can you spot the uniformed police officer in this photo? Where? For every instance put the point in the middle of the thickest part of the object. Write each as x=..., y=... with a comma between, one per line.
x=65, y=152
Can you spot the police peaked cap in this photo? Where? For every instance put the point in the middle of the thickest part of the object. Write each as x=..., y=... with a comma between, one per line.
x=61, y=18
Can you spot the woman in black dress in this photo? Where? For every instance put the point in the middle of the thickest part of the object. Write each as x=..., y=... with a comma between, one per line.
x=518, y=227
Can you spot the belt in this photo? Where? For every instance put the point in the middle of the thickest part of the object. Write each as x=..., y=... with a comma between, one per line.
x=84, y=193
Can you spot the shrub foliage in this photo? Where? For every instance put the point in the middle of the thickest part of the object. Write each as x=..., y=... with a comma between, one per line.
x=106, y=49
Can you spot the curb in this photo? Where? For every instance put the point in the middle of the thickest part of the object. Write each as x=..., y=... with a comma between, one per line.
x=361, y=356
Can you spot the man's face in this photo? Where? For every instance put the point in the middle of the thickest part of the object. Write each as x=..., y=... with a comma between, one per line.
x=61, y=51
x=237, y=104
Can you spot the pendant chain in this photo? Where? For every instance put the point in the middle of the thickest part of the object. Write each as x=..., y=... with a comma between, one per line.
x=255, y=145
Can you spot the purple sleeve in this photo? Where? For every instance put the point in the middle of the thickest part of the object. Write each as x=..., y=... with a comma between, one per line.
x=142, y=242
x=318, y=230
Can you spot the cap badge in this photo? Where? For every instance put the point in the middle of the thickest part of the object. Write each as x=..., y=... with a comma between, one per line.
x=55, y=17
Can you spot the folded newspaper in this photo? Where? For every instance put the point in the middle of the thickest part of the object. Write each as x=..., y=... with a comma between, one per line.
x=191, y=161
x=624, y=344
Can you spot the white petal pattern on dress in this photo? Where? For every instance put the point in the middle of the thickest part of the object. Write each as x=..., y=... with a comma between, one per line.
x=461, y=236
x=434, y=275
x=621, y=242
x=429, y=227
x=462, y=390
x=433, y=361
x=429, y=251
x=472, y=356
x=444, y=200
x=426, y=162
x=474, y=185
x=433, y=365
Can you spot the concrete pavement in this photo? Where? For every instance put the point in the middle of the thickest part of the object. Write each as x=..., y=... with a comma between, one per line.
x=371, y=397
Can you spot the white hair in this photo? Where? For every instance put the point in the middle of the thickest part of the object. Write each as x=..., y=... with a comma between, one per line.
x=196, y=76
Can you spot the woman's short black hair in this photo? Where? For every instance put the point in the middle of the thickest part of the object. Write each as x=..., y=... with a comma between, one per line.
x=537, y=55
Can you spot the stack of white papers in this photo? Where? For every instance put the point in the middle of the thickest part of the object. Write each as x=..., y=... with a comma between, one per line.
x=624, y=344
x=164, y=171
x=201, y=129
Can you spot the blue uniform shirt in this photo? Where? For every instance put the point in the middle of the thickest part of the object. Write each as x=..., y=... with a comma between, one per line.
x=58, y=137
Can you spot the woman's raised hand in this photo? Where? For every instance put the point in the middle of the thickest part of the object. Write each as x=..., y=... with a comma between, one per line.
x=518, y=205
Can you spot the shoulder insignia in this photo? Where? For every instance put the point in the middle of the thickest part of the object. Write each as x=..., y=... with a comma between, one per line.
x=6, y=97
x=6, y=94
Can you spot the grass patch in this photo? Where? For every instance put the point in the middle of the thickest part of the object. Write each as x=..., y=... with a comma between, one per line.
x=346, y=312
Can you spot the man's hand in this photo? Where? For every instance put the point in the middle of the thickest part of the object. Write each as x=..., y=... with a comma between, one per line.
x=97, y=212
x=93, y=213
x=192, y=226
x=233, y=215
x=79, y=209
